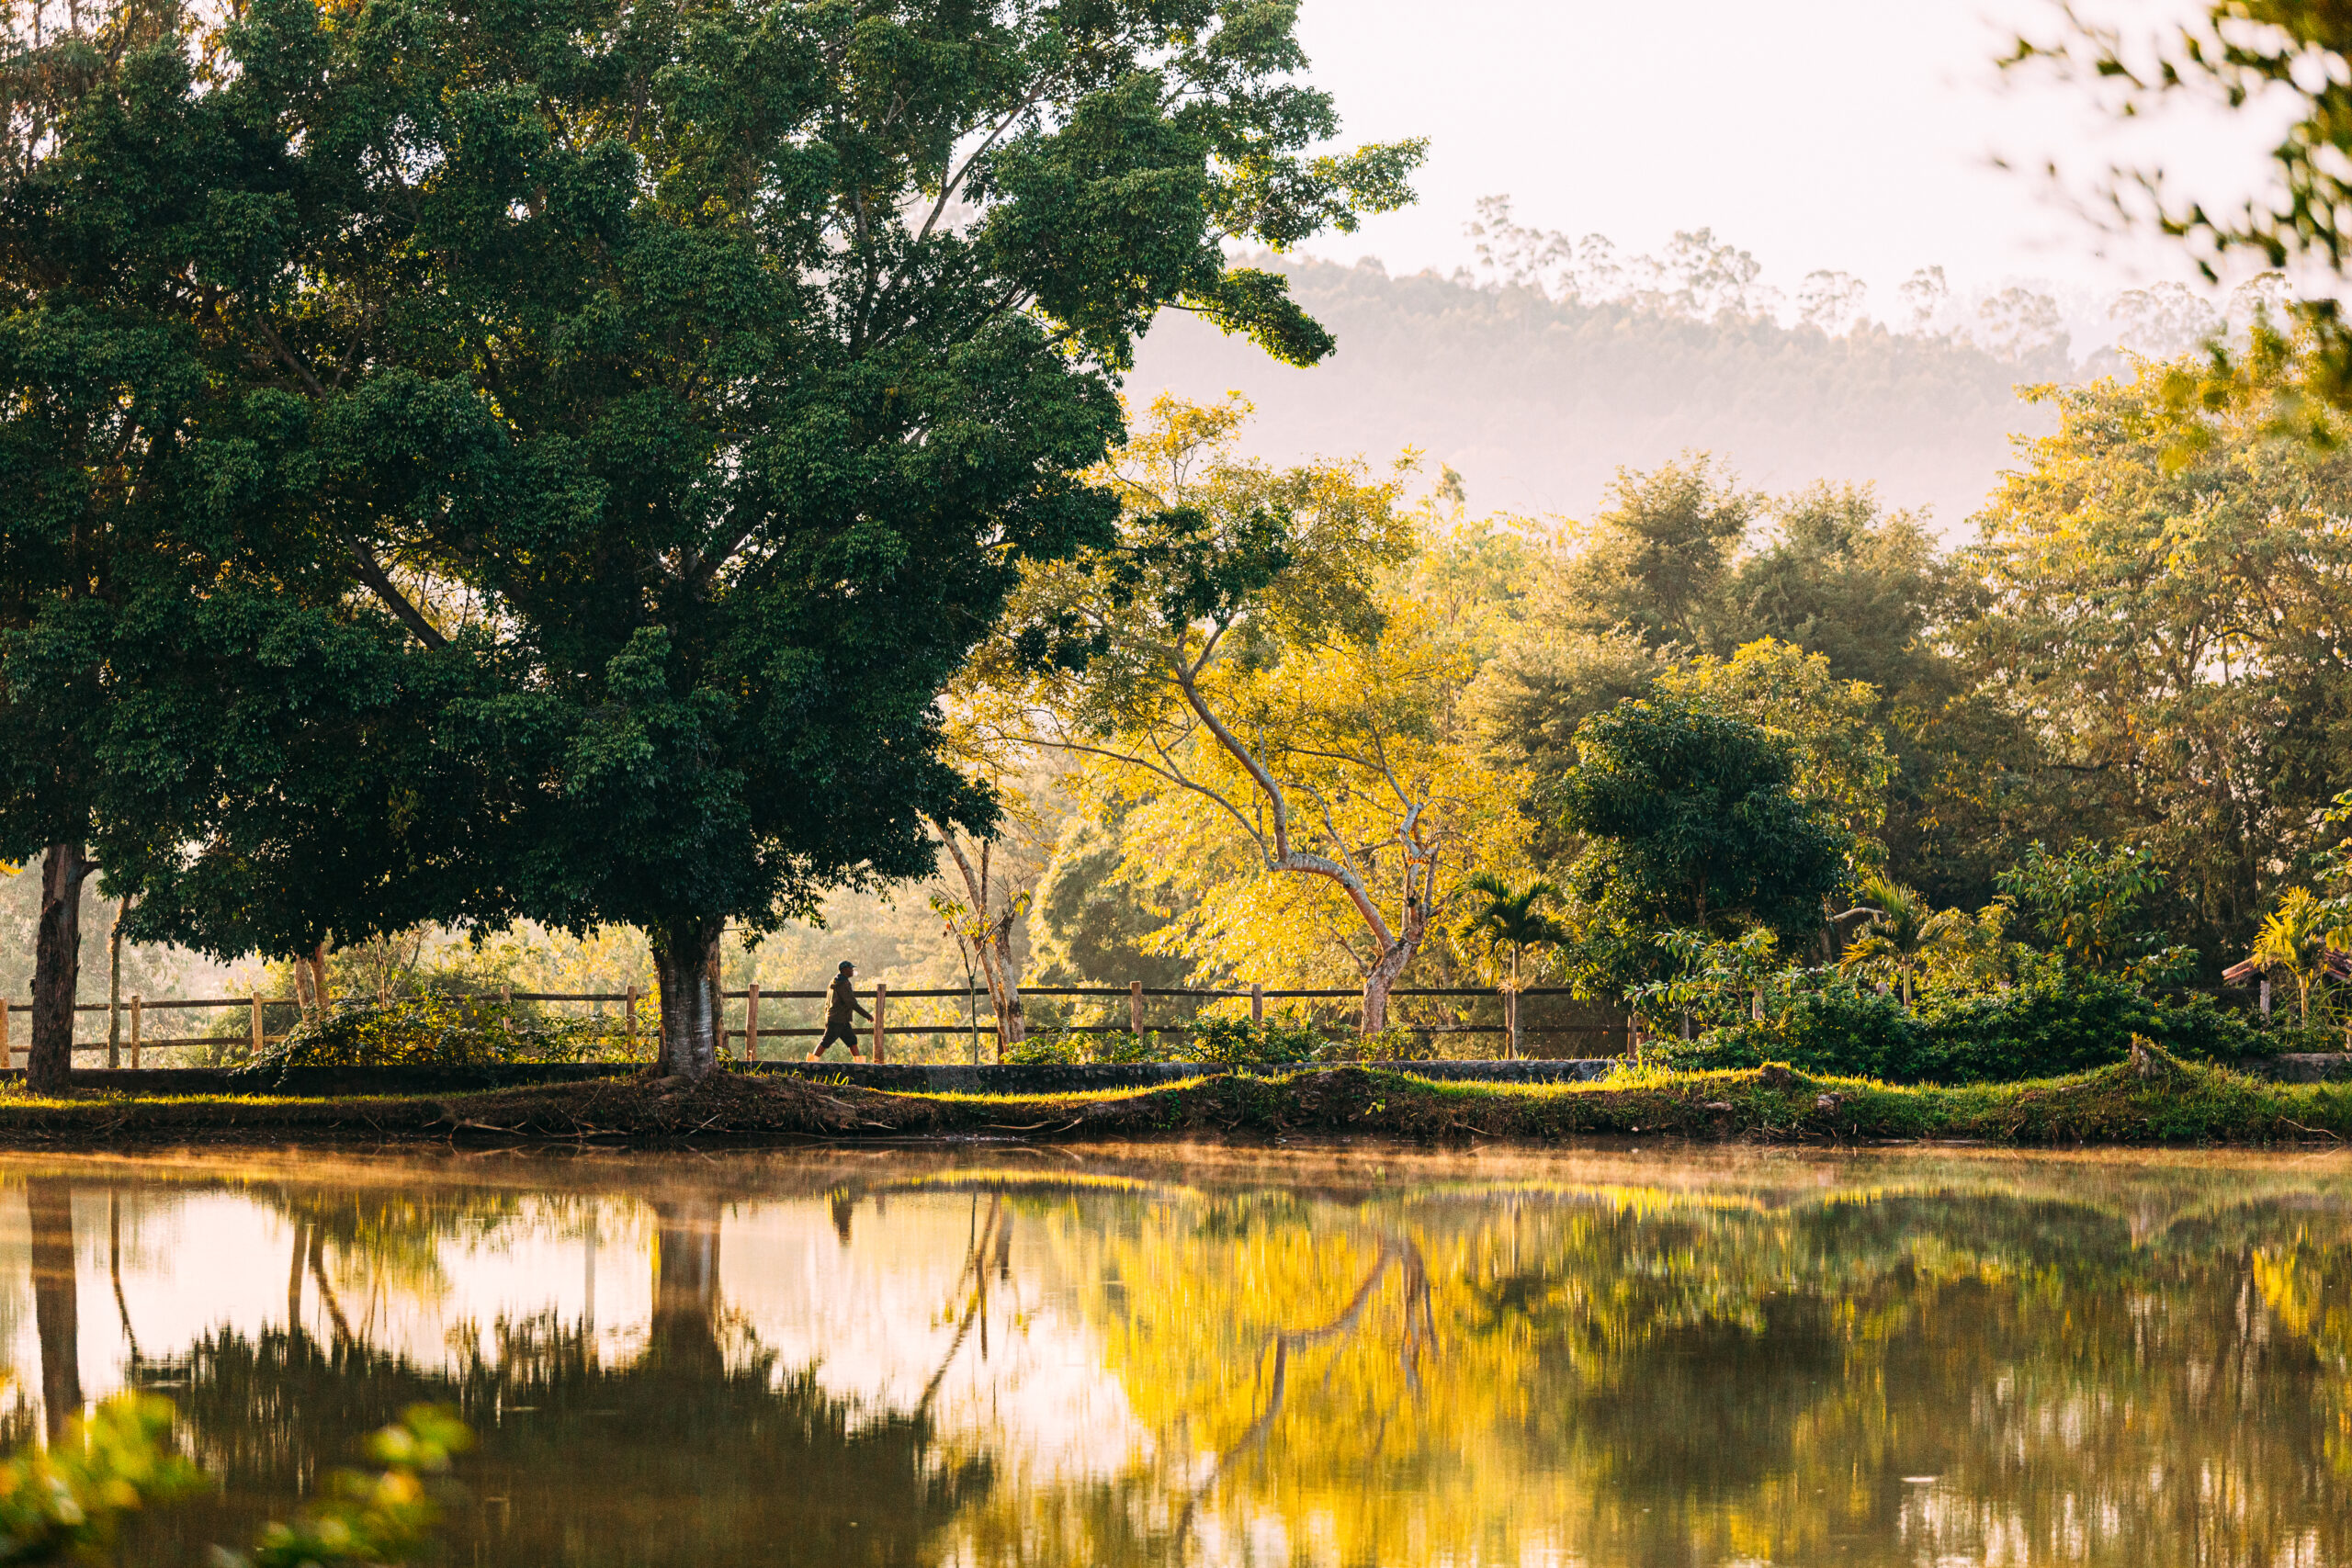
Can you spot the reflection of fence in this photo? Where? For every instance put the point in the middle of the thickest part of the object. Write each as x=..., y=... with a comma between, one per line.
x=127, y=1034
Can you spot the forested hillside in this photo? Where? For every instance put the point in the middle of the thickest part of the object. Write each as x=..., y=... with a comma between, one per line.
x=1537, y=403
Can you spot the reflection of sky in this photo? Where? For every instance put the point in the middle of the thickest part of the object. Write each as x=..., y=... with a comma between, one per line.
x=878, y=1317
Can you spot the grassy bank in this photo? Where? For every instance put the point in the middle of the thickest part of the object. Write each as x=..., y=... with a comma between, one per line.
x=2152, y=1099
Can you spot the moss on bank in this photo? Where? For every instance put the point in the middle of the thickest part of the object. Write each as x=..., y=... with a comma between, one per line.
x=2153, y=1098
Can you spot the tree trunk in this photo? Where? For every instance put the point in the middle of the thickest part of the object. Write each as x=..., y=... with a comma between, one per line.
x=114, y=985
x=1377, y=984
x=994, y=942
x=683, y=1338
x=685, y=961
x=57, y=1319
x=57, y=969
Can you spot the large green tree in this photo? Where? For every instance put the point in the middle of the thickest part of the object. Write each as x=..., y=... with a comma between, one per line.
x=188, y=684
x=697, y=380
x=1692, y=819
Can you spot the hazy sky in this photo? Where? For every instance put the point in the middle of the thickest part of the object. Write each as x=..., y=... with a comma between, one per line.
x=1854, y=134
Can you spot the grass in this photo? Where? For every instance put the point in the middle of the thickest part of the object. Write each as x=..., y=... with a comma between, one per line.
x=2153, y=1098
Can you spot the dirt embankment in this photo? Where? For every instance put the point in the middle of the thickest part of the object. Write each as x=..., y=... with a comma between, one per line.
x=2150, y=1100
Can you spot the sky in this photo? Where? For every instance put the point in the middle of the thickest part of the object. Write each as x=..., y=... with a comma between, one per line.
x=1859, y=135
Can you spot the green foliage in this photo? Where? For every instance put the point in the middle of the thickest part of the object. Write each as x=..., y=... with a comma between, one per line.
x=1655, y=562
x=2092, y=905
x=1690, y=820
x=1239, y=1043
x=1501, y=919
x=66, y=1501
x=1125, y=1047
x=2056, y=1020
x=1397, y=1042
x=370, y=1519
x=1087, y=924
x=1048, y=1050
x=2297, y=936
x=620, y=495
x=439, y=1031
x=1715, y=982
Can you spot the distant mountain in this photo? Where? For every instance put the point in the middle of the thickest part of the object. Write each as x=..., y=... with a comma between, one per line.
x=1537, y=403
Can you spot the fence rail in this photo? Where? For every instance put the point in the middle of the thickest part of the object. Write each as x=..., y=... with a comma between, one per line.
x=751, y=1031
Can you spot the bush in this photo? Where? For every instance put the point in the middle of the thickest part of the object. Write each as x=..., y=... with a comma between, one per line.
x=435, y=1031
x=1123, y=1048
x=1394, y=1044
x=2057, y=1020
x=1048, y=1051
x=1239, y=1043
x=1841, y=1029
x=2066, y=1021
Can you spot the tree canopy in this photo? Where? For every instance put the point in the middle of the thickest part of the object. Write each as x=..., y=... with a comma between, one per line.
x=695, y=382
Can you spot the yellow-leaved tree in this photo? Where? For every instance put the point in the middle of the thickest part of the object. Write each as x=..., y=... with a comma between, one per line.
x=1250, y=678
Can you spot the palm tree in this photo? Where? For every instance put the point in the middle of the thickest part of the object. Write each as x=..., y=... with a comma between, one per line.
x=1900, y=929
x=1512, y=920
x=2295, y=937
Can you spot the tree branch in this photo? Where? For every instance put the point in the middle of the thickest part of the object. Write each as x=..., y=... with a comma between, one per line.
x=373, y=575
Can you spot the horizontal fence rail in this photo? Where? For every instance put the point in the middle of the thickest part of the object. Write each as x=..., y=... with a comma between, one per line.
x=264, y=1012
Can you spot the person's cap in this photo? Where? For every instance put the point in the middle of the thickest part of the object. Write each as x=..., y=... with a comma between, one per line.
x=847, y=965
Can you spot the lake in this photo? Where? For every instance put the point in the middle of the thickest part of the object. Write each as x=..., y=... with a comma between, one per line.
x=1112, y=1356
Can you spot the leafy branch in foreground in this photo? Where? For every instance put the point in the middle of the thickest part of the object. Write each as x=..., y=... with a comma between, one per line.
x=68, y=1501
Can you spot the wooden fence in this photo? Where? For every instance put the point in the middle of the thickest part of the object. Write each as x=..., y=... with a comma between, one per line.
x=127, y=1024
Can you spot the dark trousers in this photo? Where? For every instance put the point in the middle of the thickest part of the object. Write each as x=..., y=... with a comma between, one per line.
x=839, y=1029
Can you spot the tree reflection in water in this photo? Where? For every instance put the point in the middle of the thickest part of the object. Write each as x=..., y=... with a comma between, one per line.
x=685, y=1455
x=1900, y=1361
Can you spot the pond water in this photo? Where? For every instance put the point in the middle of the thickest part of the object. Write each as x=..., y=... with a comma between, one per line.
x=1129, y=1356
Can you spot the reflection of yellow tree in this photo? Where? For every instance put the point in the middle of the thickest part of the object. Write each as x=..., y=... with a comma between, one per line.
x=1635, y=1375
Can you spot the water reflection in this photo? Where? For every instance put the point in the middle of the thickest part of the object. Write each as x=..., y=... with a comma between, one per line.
x=1130, y=1357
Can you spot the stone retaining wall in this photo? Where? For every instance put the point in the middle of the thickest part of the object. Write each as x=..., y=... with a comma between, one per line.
x=901, y=1077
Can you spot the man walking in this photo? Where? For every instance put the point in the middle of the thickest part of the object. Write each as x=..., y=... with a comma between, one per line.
x=842, y=1011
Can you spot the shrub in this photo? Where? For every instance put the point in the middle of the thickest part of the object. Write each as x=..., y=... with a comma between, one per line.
x=1841, y=1028
x=1394, y=1044
x=2057, y=1020
x=1048, y=1051
x=2062, y=1019
x=438, y=1031
x=1239, y=1043
x=1123, y=1048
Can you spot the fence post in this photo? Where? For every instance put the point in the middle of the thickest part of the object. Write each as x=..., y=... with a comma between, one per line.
x=7, y=1052
x=137, y=1006
x=114, y=1016
x=1755, y=1005
x=258, y=1036
x=2266, y=997
x=1135, y=1007
x=631, y=1005
x=1256, y=1004
x=506, y=998
x=881, y=1011
x=751, y=1024
x=1511, y=1022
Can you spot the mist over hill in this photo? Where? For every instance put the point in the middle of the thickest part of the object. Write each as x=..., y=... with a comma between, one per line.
x=1537, y=401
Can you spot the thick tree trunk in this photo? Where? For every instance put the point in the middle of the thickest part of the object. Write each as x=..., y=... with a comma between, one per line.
x=683, y=1334
x=57, y=969
x=685, y=961
x=57, y=1316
